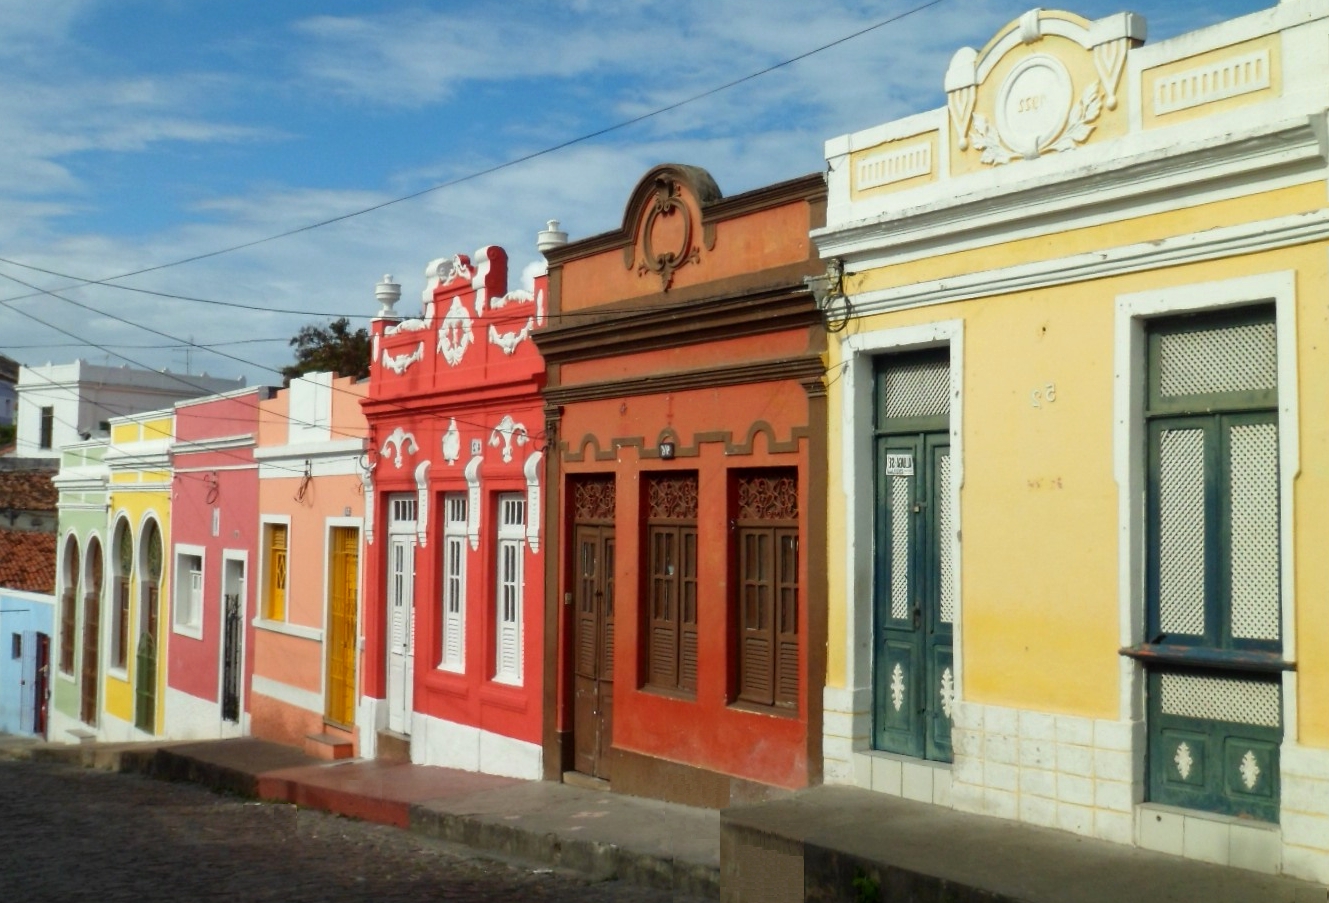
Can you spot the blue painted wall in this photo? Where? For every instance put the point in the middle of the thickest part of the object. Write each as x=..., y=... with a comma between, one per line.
x=25, y=615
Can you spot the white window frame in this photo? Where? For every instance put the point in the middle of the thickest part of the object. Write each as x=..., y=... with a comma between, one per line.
x=452, y=638
x=1133, y=311
x=187, y=590
x=509, y=587
x=260, y=619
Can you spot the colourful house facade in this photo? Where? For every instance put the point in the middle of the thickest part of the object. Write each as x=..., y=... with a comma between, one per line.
x=685, y=405
x=214, y=554
x=454, y=615
x=1078, y=444
x=304, y=685
x=133, y=665
x=78, y=668
x=26, y=624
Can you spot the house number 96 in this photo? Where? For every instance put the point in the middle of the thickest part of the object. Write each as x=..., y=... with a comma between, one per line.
x=1046, y=394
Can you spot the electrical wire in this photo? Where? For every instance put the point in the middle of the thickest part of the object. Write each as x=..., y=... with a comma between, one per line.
x=507, y=164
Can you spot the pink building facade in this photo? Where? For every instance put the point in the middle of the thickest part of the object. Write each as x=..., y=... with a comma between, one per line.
x=214, y=504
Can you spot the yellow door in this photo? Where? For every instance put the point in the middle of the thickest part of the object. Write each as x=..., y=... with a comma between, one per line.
x=343, y=583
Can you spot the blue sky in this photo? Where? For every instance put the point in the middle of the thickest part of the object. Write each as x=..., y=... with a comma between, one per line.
x=142, y=132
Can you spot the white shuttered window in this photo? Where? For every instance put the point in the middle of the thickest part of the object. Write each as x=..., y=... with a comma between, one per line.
x=511, y=542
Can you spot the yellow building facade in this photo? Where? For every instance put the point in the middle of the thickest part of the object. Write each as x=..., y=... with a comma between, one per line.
x=1078, y=460
x=136, y=609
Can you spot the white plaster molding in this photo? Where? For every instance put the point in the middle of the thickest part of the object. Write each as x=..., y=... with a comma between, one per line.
x=400, y=363
x=300, y=452
x=532, y=471
x=415, y=325
x=472, y=474
x=1212, y=244
x=508, y=341
x=403, y=442
x=895, y=165
x=455, y=333
x=451, y=443
x=1160, y=170
x=507, y=433
x=422, y=503
x=367, y=485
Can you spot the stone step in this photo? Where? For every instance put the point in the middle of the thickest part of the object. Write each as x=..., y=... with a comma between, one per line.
x=329, y=746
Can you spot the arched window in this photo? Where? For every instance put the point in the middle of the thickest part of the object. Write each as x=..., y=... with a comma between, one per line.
x=122, y=564
x=68, y=596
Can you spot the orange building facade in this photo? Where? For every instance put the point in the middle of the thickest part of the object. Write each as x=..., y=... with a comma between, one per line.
x=685, y=405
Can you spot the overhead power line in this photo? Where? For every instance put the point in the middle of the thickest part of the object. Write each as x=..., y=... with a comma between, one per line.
x=498, y=167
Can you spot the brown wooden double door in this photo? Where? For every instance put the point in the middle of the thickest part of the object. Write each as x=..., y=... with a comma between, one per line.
x=593, y=648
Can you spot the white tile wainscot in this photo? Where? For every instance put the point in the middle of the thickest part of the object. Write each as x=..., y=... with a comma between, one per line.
x=1058, y=771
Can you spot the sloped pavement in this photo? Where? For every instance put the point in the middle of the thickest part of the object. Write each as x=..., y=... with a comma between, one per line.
x=603, y=835
x=822, y=844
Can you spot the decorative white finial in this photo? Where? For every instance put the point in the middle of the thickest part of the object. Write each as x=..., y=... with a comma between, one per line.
x=387, y=293
x=550, y=237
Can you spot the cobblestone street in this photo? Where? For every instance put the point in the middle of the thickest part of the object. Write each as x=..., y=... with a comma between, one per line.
x=70, y=834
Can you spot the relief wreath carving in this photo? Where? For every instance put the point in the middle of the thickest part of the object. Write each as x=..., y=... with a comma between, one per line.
x=667, y=205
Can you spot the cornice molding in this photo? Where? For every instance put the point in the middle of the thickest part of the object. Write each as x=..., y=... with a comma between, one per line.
x=805, y=368
x=1163, y=174
x=622, y=330
x=1228, y=241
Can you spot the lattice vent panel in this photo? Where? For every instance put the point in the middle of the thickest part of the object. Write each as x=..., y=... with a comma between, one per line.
x=918, y=389
x=1181, y=530
x=945, y=532
x=1219, y=699
x=900, y=515
x=1225, y=359
x=1253, y=453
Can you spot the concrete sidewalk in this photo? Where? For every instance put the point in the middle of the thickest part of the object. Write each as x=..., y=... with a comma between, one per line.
x=603, y=835
x=847, y=844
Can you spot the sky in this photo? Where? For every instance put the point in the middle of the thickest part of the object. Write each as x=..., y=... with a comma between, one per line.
x=143, y=136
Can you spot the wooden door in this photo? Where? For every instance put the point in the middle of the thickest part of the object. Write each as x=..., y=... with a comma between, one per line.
x=343, y=583
x=42, y=684
x=593, y=666
x=91, y=635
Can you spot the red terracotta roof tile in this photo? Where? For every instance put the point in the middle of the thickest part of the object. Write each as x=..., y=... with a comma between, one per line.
x=27, y=491
x=27, y=561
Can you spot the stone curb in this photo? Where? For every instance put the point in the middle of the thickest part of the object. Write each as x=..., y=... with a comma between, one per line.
x=599, y=861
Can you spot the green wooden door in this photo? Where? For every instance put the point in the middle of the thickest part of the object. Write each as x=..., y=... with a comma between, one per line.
x=915, y=601
x=1214, y=614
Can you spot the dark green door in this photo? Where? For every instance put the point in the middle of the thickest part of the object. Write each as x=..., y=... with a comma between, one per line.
x=913, y=664
x=1214, y=614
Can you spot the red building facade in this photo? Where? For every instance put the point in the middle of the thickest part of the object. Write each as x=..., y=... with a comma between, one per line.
x=455, y=579
x=685, y=630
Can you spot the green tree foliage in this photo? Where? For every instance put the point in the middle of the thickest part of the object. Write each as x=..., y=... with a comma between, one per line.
x=333, y=347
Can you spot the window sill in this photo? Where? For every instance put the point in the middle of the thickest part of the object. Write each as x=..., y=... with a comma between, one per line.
x=670, y=693
x=775, y=711
x=295, y=630
x=505, y=696
x=188, y=630
x=1198, y=657
x=115, y=673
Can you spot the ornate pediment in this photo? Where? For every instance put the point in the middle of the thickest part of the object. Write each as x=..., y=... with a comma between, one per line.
x=1045, y=84
x=664, y=216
